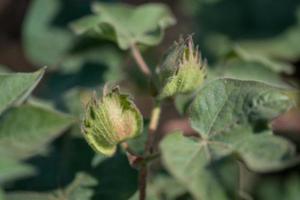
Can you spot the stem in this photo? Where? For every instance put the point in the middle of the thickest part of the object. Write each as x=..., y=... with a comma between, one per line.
x=143, y=182
x=152, y=126
x=139, y=60
x=155, y=115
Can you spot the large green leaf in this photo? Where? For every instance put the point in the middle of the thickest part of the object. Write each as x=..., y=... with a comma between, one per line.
x=231, y=116
x=45, y=43
x=11, y=169
x=127, y=25
x=25, y=130
x=286, y=188
x=197, y=166
x=235, y=114
x=16, y=86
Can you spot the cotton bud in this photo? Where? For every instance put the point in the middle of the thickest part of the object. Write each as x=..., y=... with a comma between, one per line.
x=111, y=120
x=182, y=70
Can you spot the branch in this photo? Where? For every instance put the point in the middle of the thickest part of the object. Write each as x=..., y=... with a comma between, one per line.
x=139, y=60
x=154, y=119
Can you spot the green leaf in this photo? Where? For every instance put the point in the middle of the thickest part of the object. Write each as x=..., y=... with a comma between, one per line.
x=266, y=152
x=17, y=86
x=1, y=194
x=250, y=70
x=278, y=189
x=224, y=103
x=29, y=196
x=45, y=43
x=26, y=129
x=272, y=64
x=162, y=187
x=125, y=24
x=196, y=165
x=11, y=169
x=79, y=189
x=3, y=69
x=285, y=46
x=117, y=179
x=183, y=101
x=235, y=114
x=105, y=57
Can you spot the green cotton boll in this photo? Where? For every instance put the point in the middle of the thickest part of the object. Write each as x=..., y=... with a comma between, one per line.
x=182, y=70
x=111, y=120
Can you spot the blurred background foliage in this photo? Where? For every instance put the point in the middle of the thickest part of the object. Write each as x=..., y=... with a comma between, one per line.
x=48, y=159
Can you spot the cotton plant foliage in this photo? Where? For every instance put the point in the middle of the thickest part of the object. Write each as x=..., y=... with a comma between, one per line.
x=231, y=118
x=75, y=144
x=125, y=24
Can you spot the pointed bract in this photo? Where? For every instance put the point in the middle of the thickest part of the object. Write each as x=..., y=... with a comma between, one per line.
x=111, y=120
x=182, y=70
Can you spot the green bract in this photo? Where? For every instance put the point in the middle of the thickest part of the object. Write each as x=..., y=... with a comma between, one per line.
x=182, y=70
x=111, y=120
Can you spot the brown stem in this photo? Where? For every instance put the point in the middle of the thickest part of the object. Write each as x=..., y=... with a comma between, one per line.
x=143, y=182
x=154, y=119
x=155, y=114
x=152, y=126
x=139, y=60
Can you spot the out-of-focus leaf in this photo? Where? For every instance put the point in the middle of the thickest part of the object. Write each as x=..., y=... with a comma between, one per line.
x=284, y=46
x=57, y=84
x=76, y=99
x=105, y=56
x=3, y=69
x=61, y=162
x=162, y=187
x=98, y=159
x=15, y=87
x=274, y=65
x=125, y=24
x=229, y=112
x=197, y=166
x=117, y=179
x=277, y=189
x=79, y=189
x=1, y=194
x=250, y=70
x=29, y=196
x=271, y=34
x=182, y=102
x=26, y=129
x=11, y=169
x=137, y=144
x=45, y=43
